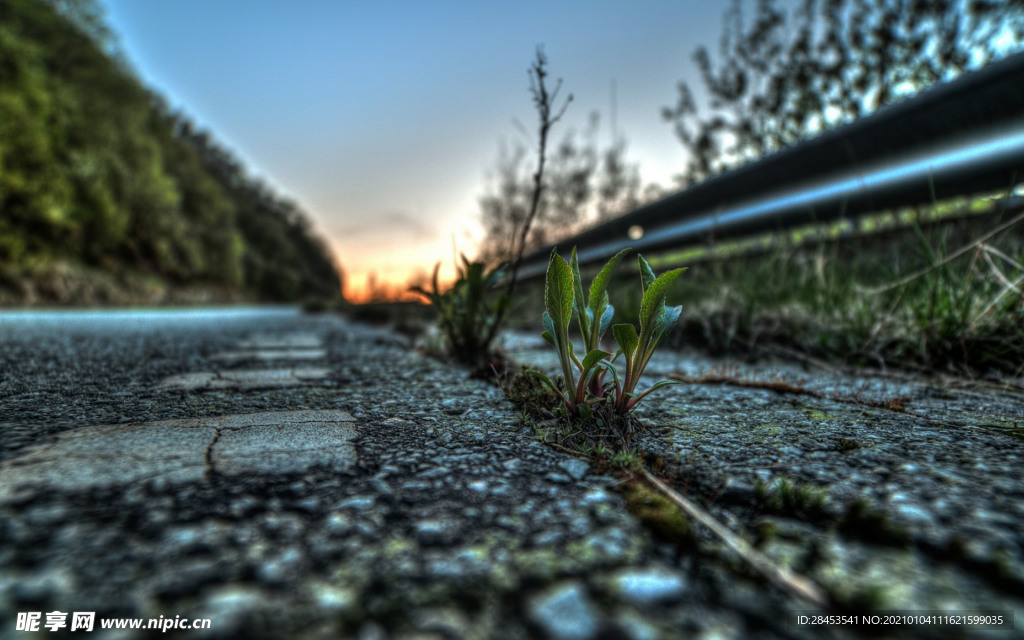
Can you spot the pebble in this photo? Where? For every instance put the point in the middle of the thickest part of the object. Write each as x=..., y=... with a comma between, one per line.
x=48, y=585
x=335, y=599
x=380, y=486
x=914, y=513
x=634, y=627
x=595, y=496
x=548, y=538
x=564, y=612
x=557, y=478
x=434, y=532
x=279, y=570
x=233, y=608
x=357, y=503
x=575, y=467
x=648, y=587
x=338, y=524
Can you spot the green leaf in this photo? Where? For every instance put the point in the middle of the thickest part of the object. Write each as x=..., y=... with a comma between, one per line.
x=549, y=325
x=558, y=294
x=659, y=384
x=625, y=336
x=655, y=386
x=495, y=275
x=586, y=413
x=599, y=287
x=423, y=292
x=665, y=321
x=584, y=319
x=646, y=273
x=654, y=297
x=607, y=364
x=577, y=285
x=593, y=358
x=501, y=305
x=606, y=319
x=433, y=280
x=474, y=272
x=548, y=338
x=546, y=380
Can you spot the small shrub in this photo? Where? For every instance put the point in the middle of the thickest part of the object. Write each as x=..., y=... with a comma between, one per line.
x=470, y=312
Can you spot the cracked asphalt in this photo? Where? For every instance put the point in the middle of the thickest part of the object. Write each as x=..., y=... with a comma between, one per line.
x=392, y=498
x=161, y=464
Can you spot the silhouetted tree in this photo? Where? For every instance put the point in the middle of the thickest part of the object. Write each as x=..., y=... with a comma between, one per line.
x=781, y=78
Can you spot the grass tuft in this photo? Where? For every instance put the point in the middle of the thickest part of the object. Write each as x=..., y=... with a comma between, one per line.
x=931, y=292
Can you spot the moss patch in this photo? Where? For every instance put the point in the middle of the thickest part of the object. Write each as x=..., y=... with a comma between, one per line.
x=659, y=514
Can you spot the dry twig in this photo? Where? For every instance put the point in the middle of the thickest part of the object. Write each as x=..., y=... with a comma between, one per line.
x=790, y=582
x=950, y=258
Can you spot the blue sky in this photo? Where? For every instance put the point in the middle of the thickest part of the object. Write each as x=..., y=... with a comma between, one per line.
x=383, y=118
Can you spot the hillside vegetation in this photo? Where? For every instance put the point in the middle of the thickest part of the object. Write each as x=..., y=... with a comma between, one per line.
x=98, y=175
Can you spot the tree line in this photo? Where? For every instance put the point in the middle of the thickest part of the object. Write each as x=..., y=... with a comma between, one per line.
x=96, y=169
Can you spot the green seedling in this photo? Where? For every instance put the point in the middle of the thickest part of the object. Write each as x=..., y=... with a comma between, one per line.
x=584, y=386
x=656, y=320
x=468, y=313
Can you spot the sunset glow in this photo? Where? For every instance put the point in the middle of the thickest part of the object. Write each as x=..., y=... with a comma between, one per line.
x=384, y=125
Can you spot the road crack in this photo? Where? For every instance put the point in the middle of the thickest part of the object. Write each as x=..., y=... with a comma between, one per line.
x=211, y=468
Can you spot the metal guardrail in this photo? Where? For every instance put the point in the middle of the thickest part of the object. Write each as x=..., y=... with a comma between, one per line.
x=959, y=138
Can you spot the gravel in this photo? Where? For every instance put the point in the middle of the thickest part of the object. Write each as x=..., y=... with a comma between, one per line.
x=453, y=520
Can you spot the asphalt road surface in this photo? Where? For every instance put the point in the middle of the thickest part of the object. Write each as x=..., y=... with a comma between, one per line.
x=273, y=474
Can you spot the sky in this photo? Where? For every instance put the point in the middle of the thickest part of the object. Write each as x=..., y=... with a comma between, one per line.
x=383, y=118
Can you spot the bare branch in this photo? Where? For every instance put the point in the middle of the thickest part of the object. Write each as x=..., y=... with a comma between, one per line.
x=544, y=101
x=790, y=582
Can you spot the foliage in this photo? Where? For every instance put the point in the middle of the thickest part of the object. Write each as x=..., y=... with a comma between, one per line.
x=587, y=393
x=469, y=313
x=783, y=78
x=966, y=308
x=467, y=319
x=656, y=320
x=923, y=292
x=98, y=171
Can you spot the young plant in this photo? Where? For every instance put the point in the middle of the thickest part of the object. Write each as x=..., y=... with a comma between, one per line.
x=656, y=320
x=469, y=313
x=563, y=293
